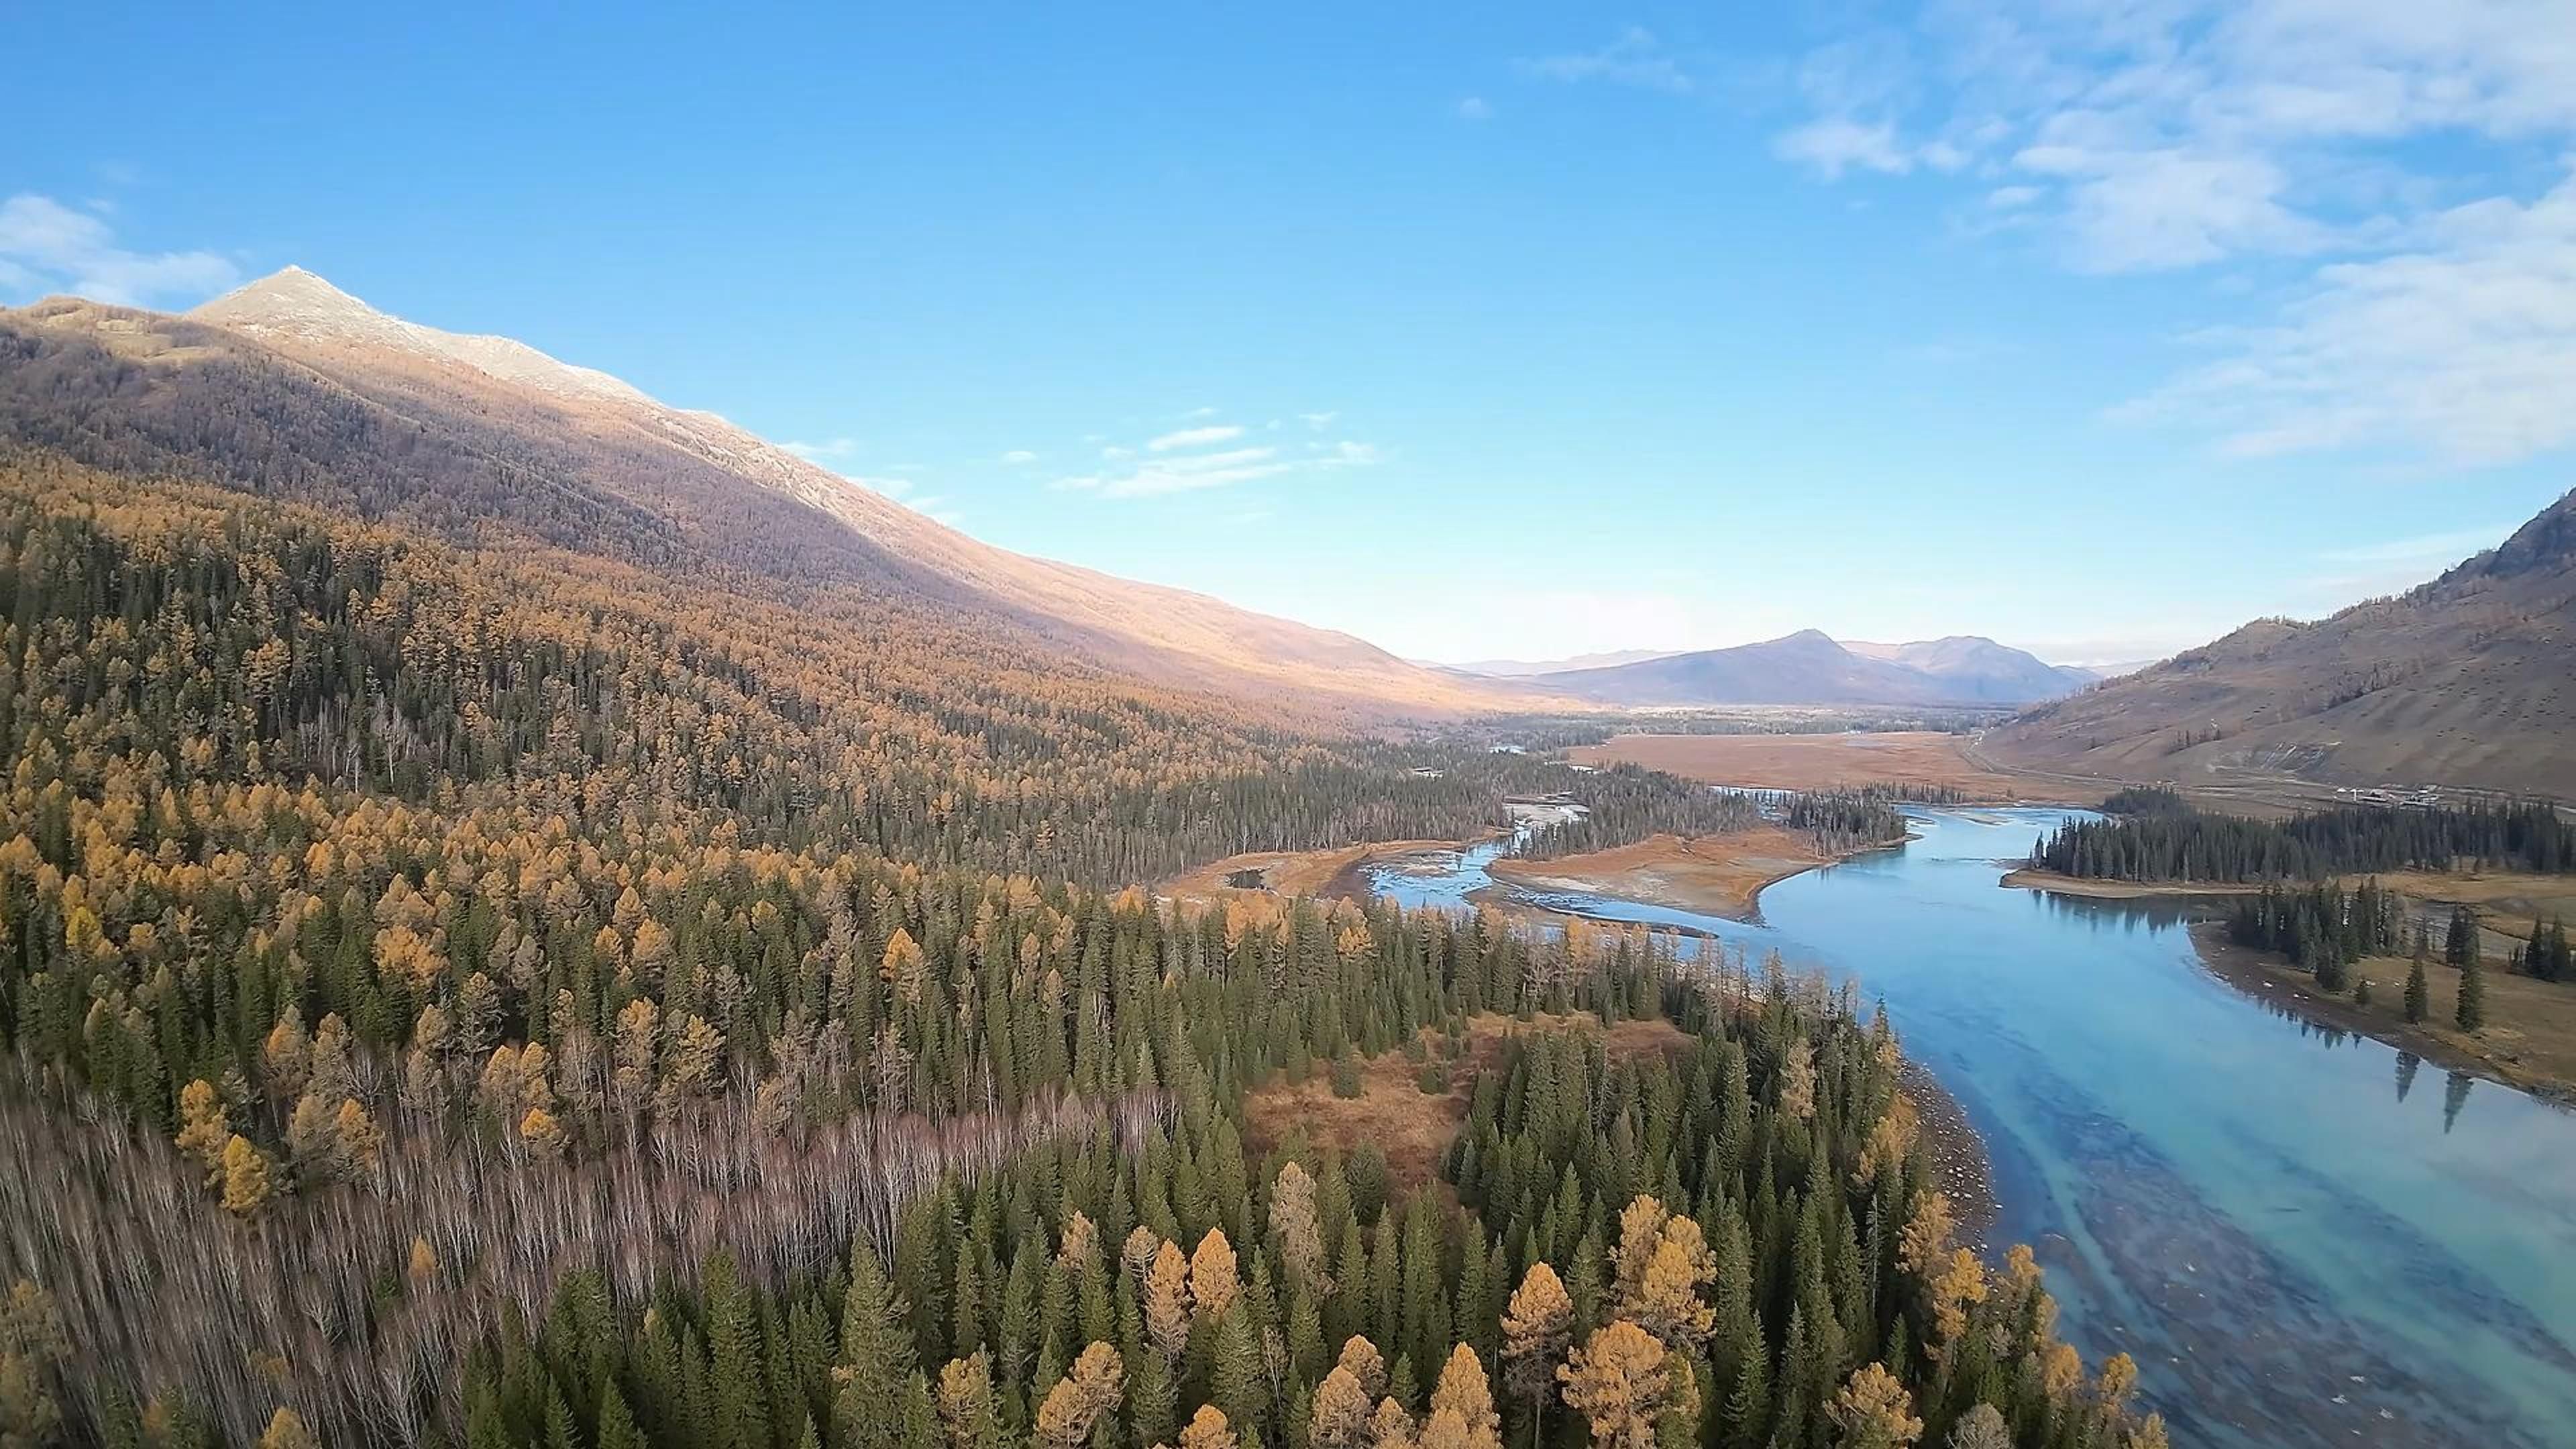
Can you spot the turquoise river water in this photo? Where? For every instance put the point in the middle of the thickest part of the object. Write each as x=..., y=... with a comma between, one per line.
x=2301, y=1238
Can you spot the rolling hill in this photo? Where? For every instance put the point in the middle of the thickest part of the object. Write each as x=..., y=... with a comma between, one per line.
x=290, y=387
x=1809, y=668
x=2468, y=680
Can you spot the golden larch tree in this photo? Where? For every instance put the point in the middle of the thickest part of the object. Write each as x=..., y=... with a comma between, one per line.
x=1537, y=1324
x=1874, y=1411
x=1618, y=1381
x=1091, y=1388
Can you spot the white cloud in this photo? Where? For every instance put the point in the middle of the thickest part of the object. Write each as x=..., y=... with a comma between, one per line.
x=1194, y=438
x=1633, y=58
x=47, y=246
x=1475, y=108
x=1018, y=458
x=822, y=452
x=2463, y=346
x=1835, y=144
x=1190, y=461
x=2378, y=148
x=1317, y=421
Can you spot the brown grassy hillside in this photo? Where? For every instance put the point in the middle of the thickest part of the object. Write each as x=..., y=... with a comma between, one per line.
x=2469, y=680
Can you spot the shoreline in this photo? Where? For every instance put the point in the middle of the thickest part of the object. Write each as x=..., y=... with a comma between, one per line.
x=1961, y=1164
x=2274, y=981
x=2031, y=878
x=1712, y=875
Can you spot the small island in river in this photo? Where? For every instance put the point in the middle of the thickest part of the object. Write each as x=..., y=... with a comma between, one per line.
x=1717, y=875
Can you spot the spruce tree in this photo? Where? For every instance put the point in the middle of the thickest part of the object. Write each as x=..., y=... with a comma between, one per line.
x=876, y=1356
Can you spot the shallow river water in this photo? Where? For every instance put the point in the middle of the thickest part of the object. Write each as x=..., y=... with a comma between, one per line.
x=2302, y=1238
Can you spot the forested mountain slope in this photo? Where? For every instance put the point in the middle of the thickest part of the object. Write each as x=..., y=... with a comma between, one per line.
x=2469, y=680
x=292, y=388
x=512, y=936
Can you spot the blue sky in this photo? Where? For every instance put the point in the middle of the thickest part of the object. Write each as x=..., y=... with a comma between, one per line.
x=2098, y=326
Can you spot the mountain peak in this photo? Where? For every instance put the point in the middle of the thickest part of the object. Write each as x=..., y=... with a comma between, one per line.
x=2546, y=544
x=293, y=303
x=290, y=299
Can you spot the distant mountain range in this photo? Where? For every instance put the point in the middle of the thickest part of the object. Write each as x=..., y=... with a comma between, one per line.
x=2469, y=680
x=1809, y=668
x=1524, y=668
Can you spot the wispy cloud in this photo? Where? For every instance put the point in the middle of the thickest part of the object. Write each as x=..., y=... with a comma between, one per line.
x=1836, y=144
x=1194, y=438
x=1018, y=458
x=2463, y=347
x=1193, y=460
x=47, y=246
x=1475, y=108
x=1632, y=58
x=822, y=452
x=2428, y=303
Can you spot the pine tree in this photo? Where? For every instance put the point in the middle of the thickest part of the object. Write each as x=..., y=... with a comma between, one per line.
x=2419, y=992
x=616, y=1422
x=2464, y=951
x=876, y=1355
x=733, y=1343
x=1747, y=1412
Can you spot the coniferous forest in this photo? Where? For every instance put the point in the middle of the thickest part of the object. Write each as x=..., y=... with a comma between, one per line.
x=2162, y=841
x=534, y=995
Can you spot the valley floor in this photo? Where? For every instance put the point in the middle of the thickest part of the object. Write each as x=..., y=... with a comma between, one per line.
x=1915, y=758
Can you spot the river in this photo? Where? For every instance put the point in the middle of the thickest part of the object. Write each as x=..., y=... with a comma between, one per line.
x=2301, y=1238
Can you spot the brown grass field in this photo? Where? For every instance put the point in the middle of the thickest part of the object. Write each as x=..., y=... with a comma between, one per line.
x=1816, y=762
x=1720, y=875
x=1413, y=1128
